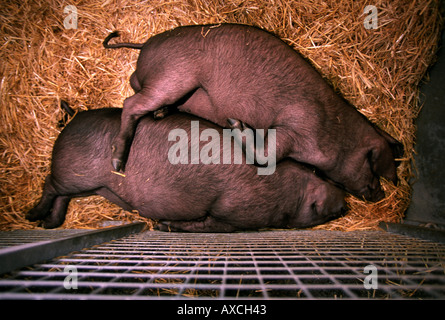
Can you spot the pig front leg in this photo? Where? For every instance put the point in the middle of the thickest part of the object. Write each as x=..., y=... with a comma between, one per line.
x=160, y=113
x=248, y=148
x=209, y=224
x=160, y=94
x=266, y=149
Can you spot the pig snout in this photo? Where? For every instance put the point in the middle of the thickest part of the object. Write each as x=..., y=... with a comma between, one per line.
x=373, y=192
x=380, y=163
x=329, y=202
x=322, y=203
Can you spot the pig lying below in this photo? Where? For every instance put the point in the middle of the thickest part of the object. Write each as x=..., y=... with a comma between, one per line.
x=187, y=197
x=244, y=73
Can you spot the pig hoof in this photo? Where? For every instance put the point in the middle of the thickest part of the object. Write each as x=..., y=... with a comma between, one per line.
x=49, y=223
x=234, y=124
x=160, y=113
x=33, y=215
x=117, y=164
x=163, y=226
x=237, y=124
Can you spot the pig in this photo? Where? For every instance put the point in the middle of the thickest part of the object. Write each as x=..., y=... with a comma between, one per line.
x=193, y=197
x=244, y=73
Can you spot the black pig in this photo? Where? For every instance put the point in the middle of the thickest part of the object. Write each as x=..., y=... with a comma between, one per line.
x=186, y=197
x=252, y=76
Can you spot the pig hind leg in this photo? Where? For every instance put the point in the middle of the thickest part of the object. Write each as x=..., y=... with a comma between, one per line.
x=157, y=95
x=134, y=82
x=58, y=213
x=53, y=205
x=209, y=224
x=60, y=206
x=43, y=208
x=51, y=208
x=276, y=146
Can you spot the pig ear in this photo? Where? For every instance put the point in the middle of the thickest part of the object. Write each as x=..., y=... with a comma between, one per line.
x=396, y=147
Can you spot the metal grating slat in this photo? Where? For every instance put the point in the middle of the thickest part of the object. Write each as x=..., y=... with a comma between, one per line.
x=21, y=237
x=258, y=265
x=25, y=247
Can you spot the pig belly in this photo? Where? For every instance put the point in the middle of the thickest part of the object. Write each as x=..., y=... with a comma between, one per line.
x=157, y=212
x=161, y=202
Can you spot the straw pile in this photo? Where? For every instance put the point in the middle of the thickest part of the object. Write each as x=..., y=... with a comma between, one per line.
x=42, y=62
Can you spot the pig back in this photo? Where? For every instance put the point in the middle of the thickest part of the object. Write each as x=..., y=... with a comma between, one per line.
x=193, y=190
x=81, y=152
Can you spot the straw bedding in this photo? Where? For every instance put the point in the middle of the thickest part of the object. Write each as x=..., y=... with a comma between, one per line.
x=42, y=62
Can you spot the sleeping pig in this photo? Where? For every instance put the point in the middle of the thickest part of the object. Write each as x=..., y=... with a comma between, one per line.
x=186, y=196
x=243, y=73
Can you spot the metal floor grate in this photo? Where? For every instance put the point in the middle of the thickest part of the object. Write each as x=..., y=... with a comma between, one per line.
x=22, y=248
x=263, y=265
x=21, y=237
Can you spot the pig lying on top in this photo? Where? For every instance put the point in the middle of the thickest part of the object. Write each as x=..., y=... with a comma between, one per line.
x=252, y=76
x=185, y=197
